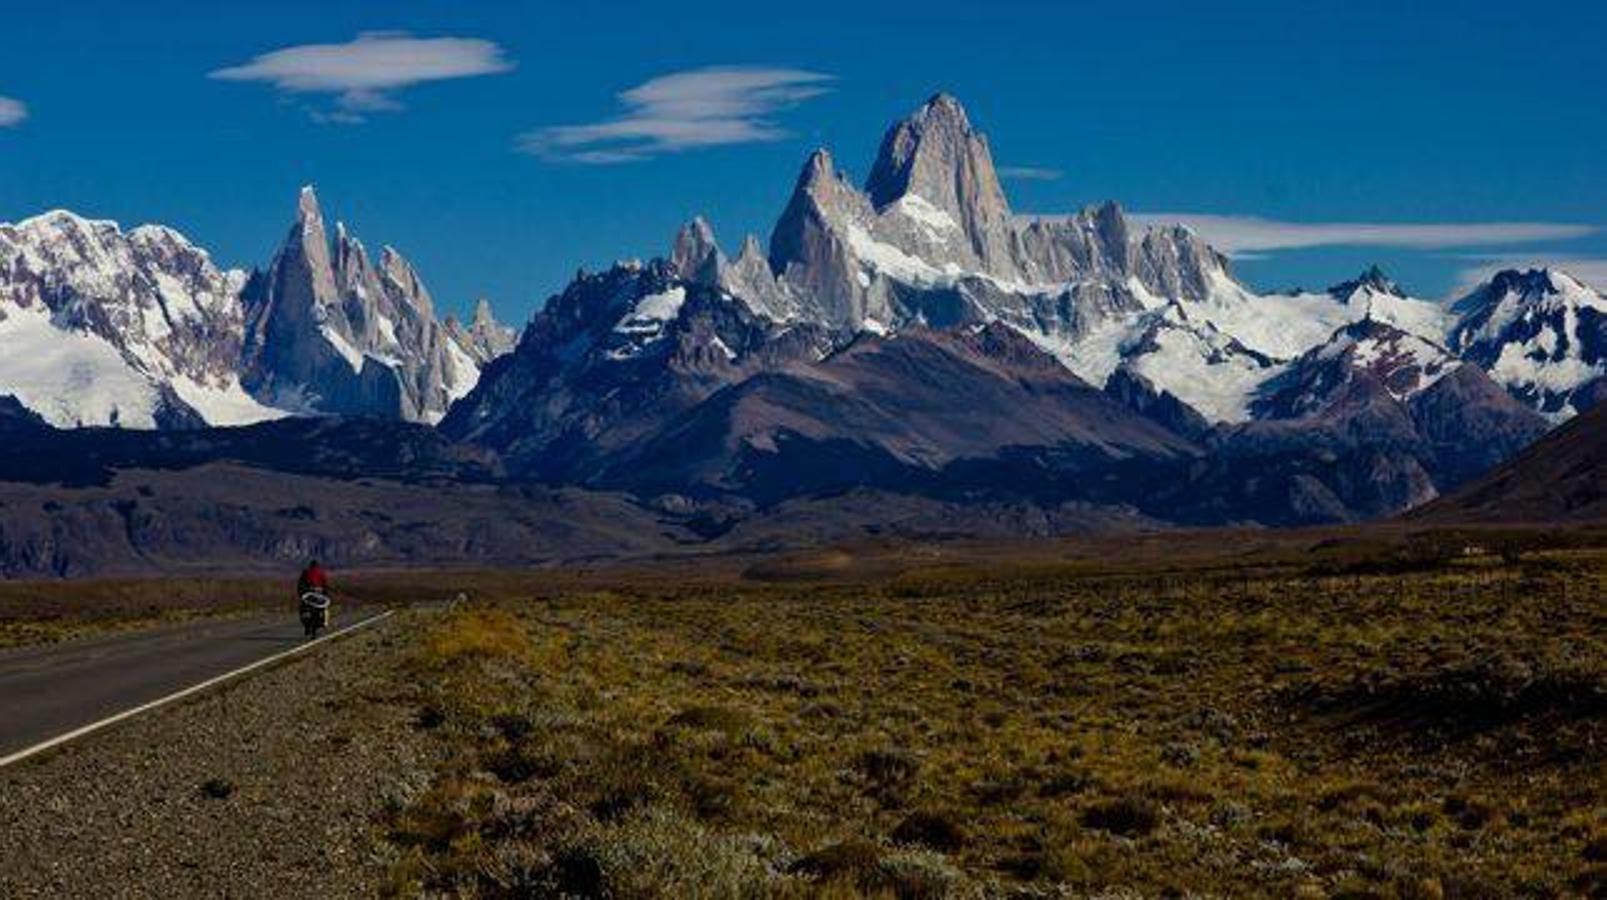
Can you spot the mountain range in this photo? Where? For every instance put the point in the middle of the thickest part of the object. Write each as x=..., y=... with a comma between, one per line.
x=908, y=336
x=141, y=329
x=916, y=332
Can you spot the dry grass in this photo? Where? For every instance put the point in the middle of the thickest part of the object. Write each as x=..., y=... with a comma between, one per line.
x=1344, y=713
x=34, y=612
x=1033, y=728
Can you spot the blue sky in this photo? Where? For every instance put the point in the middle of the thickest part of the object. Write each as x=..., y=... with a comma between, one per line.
x=451, y=144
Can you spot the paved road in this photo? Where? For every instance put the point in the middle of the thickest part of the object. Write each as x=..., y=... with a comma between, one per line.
x=50, y=689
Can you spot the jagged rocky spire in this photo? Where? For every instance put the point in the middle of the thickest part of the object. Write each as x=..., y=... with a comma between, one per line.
x=484, y=338
x=937, y=156
x=696, y=256
x=809, y=247
x=311, y=242
x=483, y=316
x=1373, y=279
x=333, y=333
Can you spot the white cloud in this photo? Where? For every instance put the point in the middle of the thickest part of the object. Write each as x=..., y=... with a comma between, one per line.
x=1029, y=173
x=363, y=74
x=705, y=107
x=1591, y=270
x=12, y=112
x=1237, y=235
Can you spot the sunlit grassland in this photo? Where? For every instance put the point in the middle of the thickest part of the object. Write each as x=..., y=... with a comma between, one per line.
x=1350, y=720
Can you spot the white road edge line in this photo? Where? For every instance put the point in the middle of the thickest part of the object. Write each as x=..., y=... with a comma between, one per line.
x=60, y=739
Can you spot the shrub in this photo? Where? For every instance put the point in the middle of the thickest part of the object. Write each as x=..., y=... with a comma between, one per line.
x=512, y=726
x=935, y=830
x=1129, y=816
x=1181, y=754
x=661, y=853
x=889, y=768
x=920, y=875
x=1066, y=783
x=855, y=861
x=723, y=719
x=429, y=717
x=515, y=764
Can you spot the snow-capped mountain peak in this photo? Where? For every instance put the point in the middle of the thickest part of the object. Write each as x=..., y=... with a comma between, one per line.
x=695, y=254
x=1541, y=333
x=1401, y=364
x=1511, y=292
x=775, y=364
x=931, y=240
x=1404, y=363
x=104, y=327
x=1374, y=295
x=941, y=171
x=1371, y=281
x=141, y=329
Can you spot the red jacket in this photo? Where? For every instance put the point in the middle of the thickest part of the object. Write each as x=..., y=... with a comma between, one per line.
x=312, y=578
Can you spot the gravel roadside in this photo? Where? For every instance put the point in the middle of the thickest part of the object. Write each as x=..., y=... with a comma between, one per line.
x=267, y=786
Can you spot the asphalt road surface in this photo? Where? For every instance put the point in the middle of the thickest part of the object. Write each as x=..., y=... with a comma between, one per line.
x=51, y=689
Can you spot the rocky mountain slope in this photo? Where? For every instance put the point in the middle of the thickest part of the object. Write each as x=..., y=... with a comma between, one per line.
x=141, y=329
x=927, y=410
x=612, y=359
x=1560, y=478
x=227, y=517
x=357, y=492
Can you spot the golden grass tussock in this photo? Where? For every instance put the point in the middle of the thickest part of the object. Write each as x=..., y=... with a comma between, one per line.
x=473, y=634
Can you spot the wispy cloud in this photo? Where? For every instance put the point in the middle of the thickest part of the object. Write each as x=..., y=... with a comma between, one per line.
x=1238, y=235
x=364, y=74
x=682, y=111
x=1589, y=269
x=12, y=112
x=1029, y=173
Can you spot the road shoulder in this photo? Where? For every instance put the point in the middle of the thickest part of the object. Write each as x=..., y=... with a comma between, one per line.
x=274, y=779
